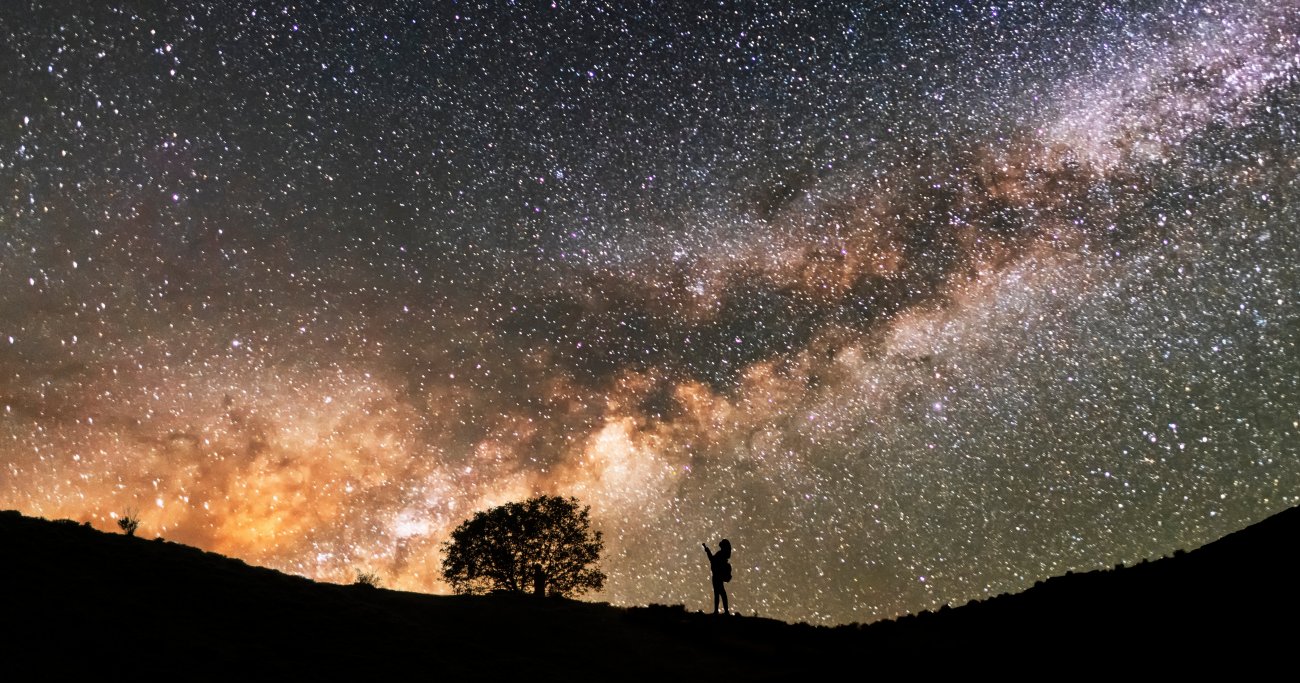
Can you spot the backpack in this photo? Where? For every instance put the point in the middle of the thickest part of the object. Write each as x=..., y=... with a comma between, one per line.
x=726, y=571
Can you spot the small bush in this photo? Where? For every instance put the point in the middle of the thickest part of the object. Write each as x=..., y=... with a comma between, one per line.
x=369, y=579
x=128, y=523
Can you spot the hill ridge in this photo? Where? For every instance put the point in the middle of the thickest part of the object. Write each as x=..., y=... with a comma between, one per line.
x=132, y=604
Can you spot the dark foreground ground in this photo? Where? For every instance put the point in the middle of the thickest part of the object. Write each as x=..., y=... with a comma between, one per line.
x=78, y=601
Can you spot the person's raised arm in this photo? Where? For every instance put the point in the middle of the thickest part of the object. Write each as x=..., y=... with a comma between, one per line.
x=706, y=550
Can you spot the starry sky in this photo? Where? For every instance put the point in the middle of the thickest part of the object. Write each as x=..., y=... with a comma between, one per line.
x=915, y=302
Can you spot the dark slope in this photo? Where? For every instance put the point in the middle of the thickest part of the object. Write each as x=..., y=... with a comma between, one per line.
x=1230, y=602
x=78, y=599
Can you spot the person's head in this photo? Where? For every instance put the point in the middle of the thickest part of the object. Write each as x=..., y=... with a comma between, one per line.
x=725, y=544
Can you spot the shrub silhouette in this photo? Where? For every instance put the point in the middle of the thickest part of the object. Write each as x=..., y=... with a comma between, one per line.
x=128, y=523
x=544, y=544
x=369, y=579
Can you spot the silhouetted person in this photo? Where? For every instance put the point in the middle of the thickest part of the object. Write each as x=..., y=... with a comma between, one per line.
x=539, y=581
x=720, y=565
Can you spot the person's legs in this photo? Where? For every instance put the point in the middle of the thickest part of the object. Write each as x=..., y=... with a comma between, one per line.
x=726, y=609
x=718, y=592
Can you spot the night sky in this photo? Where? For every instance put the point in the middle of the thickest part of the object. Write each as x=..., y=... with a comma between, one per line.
x=914, y=302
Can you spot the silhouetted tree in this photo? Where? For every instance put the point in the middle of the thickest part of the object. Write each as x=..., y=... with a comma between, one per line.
x=544, y=543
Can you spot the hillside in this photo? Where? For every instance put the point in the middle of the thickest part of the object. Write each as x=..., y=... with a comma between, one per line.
x=77, y=599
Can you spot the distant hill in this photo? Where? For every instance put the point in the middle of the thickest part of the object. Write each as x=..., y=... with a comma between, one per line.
x=77, y=600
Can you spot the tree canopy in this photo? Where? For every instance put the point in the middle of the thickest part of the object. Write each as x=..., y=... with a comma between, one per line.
x=544, y=544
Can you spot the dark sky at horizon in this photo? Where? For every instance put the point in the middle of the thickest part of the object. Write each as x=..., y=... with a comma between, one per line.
x=914, y=302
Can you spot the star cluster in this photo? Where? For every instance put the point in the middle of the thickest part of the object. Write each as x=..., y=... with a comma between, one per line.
x=915, y=302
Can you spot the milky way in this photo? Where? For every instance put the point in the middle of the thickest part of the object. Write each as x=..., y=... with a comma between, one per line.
x=916, y=303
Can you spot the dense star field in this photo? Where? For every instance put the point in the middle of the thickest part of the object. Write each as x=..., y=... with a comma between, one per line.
x=913, y=302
